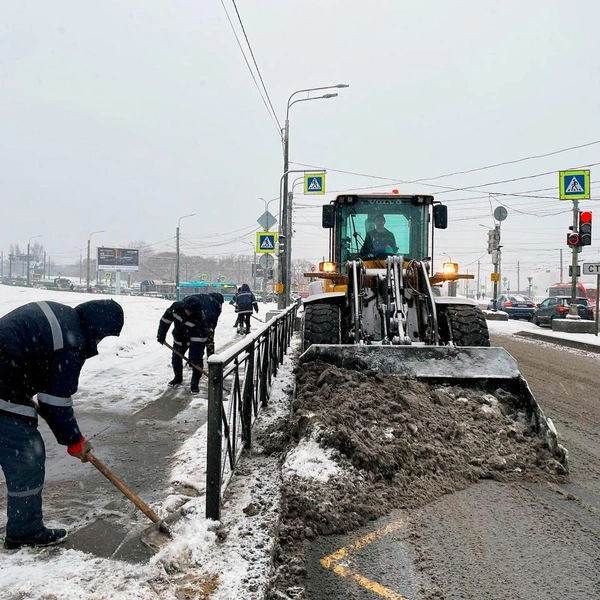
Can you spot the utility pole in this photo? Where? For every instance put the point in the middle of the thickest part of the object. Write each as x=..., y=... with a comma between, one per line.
x=561, y=266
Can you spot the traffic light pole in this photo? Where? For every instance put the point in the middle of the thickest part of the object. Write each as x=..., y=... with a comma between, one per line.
x=573, y=312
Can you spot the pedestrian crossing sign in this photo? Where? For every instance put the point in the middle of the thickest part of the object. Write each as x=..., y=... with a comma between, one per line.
x=574, y=185
x=314, y=183
x=265, y=241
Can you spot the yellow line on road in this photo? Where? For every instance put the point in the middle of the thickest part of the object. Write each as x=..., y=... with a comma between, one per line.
x=332, y=561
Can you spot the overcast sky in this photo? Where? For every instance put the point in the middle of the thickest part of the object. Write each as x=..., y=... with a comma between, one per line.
x=126, y=115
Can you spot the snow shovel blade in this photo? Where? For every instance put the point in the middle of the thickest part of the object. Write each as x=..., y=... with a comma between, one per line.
x=159, y=524
x=487, y=367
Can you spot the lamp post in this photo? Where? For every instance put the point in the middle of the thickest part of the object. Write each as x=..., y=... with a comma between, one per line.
x=283, y=299
x=253, y=265
x=89, y=289
x=28, y=261
x=80, y=261
x=177, y=291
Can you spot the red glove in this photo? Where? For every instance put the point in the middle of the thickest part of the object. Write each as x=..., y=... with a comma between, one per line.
x=80, y=449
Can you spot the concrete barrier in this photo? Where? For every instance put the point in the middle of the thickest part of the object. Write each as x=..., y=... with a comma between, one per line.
x=498, y=315
x=573, y=326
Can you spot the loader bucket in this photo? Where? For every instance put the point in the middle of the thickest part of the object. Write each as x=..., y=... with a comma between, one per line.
x=488, y=368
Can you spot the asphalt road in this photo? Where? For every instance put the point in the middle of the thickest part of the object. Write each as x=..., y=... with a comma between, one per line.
x=492, y=541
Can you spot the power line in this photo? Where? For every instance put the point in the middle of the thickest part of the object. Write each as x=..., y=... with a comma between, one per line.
x=271, y=114
x=237, y=12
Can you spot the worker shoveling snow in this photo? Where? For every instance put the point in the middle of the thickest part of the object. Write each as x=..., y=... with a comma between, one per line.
x=392, y=442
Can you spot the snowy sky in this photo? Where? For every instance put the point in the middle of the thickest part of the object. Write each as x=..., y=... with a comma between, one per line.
x=126, y=115
x=138, y=369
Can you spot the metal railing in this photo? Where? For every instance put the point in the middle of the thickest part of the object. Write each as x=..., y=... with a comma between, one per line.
x=239, y=384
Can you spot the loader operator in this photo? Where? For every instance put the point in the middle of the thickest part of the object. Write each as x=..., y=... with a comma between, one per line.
x=189, y=332
x=43, y=346
x=379, y=241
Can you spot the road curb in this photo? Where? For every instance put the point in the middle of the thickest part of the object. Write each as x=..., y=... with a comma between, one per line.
x=560, y=341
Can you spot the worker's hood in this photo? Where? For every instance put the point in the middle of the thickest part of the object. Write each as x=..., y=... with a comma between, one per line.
x=192, y=303
x=99, y=319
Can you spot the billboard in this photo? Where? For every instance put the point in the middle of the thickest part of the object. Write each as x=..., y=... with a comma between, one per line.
x=118, y=259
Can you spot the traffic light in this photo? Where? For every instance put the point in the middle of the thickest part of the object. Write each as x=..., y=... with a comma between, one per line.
x=490, y=241
x=573, y=239
x=493, y=240
x=585, y=228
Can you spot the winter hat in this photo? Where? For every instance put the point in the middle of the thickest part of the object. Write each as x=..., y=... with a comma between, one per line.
x=192, y=303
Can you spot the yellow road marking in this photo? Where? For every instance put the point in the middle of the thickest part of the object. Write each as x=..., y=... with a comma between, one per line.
x=332, y=561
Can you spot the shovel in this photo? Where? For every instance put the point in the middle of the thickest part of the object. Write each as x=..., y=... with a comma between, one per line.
x=129, y=494
x=205, y=373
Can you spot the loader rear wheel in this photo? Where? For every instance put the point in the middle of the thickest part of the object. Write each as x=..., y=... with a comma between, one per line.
x=464, y=325
x=322, y=325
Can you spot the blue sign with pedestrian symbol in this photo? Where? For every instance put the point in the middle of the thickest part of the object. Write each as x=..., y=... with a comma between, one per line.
x=314, y=183
x=265, y=241
x=574, y=185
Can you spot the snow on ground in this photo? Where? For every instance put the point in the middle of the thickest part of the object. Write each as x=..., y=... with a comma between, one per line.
x=130, y=372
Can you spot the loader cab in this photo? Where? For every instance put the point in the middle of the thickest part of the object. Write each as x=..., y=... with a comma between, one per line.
x=372, y=227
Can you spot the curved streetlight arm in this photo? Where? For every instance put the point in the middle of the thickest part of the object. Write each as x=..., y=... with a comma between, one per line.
x=323, y=97
x=316, y=89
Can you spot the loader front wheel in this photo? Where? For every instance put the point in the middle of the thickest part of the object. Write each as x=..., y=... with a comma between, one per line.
x=322, y=325
x=464, y=325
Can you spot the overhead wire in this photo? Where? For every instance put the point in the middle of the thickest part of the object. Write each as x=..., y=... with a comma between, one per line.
x=237, y=12
x=269, y=108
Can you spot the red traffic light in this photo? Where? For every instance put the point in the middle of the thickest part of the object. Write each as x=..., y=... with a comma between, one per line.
x=572, y=239
x=585, y=228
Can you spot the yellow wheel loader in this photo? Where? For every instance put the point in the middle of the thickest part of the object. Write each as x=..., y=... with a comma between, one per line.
x=377, y=304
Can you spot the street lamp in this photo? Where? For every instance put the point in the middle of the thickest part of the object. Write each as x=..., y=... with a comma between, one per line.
x=253, y=265
x=89, y=289
x=177, y=291
x=28, y=244
x=283, y=299
x=80, y=261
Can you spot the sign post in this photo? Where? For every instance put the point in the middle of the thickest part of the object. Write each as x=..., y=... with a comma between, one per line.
x=594, y=269
x=575, y=186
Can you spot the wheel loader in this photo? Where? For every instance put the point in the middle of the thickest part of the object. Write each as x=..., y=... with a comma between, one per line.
x=376, y=303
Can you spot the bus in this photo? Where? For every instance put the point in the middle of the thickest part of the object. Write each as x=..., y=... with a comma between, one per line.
x=584, y=290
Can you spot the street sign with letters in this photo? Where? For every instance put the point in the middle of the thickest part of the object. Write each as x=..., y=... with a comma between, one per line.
x=265, y=241
x=574, y=185
x=591, y=268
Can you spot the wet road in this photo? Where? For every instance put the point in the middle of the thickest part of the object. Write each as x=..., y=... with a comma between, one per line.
x=491, y=541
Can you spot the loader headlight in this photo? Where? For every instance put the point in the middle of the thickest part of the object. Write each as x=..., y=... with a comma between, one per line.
x=450, y=268
x=327, y=267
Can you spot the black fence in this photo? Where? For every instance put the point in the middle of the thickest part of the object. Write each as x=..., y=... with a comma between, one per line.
x=239, y=384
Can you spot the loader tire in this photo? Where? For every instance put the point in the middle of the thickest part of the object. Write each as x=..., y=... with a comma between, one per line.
x=322, y=325
x=464, y=325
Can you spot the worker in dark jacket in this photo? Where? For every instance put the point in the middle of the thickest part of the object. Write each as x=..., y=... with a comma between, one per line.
x=189, y=332
x=212, y=305
x=245, y=301
x=43, y=346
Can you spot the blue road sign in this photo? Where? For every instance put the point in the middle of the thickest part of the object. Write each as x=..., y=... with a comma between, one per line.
x=574, y=185
x=314, y=183
x=265, y=241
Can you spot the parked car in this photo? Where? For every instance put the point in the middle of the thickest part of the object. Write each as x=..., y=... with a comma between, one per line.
x=515, y=306
x=558, y=307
